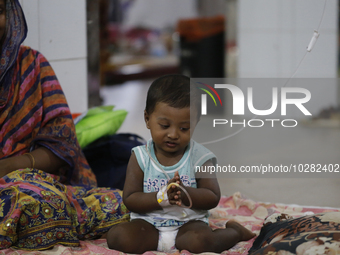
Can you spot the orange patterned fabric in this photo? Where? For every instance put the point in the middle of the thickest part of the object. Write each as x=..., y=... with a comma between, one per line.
x=33, y=108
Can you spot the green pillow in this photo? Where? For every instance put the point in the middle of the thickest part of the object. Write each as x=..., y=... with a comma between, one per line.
x=99, y=122
x=99, y=109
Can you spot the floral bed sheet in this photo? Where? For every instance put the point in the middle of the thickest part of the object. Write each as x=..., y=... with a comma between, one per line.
x=249, y=213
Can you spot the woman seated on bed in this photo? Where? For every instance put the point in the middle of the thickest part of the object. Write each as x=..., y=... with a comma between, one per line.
x=47, y=189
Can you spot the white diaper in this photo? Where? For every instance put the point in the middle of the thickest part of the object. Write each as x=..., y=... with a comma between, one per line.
x=167, y=238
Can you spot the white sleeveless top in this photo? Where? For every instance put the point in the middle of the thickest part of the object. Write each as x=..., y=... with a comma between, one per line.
x=154, y=178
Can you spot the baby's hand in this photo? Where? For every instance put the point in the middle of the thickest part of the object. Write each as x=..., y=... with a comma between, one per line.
x=174, y=192
x=175, y=179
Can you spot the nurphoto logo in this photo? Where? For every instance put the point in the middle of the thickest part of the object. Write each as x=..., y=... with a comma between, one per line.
x=278, y=94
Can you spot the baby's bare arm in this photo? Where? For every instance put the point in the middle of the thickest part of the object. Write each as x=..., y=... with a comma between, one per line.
x=207, y=194
x=133, y=196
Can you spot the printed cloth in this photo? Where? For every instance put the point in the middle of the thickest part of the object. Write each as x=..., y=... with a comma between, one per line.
x=39, y=210
x=249, y=213
x=309, y=234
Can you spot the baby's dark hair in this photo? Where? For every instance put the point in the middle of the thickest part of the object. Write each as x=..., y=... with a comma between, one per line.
x=172, y=89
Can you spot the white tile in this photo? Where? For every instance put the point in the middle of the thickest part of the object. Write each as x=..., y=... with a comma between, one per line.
x=286, y=54
x=258, y=55
x=73, y=79
x=321, y=62
x=286, y=15
x=330, y=18
x=281, y=30
x=258, y=15
x=31, y=11
x=309, y=14
x=63, y=29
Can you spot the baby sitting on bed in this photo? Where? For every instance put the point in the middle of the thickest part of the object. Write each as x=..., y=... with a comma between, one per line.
x=161, y=184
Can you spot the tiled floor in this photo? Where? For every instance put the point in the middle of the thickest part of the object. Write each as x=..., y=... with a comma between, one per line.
x=255, y=147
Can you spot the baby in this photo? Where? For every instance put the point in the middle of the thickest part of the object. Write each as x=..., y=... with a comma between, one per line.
x=161, y=183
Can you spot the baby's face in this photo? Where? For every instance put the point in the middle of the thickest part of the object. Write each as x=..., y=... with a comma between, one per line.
x=170, y=128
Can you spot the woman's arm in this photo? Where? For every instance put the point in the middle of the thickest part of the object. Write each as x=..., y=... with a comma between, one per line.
x=133, y=196
x=207, y=194
x=44, y=160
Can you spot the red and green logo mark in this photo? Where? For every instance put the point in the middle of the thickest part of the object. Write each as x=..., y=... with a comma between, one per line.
x=204, y=97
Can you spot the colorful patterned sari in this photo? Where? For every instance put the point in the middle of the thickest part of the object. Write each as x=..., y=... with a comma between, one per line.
x=39, y=210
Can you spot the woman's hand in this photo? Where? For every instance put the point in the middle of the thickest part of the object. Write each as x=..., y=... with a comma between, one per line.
x=7, y=164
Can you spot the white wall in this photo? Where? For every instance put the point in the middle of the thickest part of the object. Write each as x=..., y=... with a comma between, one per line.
x=273, y=36
x=57, y=28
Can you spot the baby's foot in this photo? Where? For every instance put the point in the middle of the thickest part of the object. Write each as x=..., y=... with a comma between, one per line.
x=245, y=234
